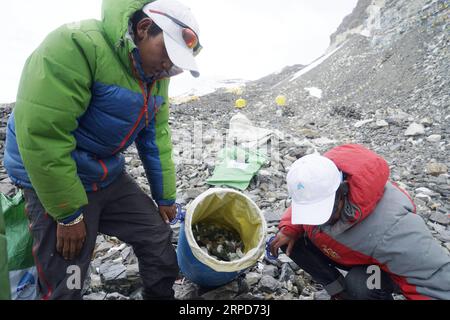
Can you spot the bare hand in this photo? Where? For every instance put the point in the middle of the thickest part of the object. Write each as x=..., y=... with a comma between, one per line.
x=279, y=241
x=70, y=240
x=168, y=213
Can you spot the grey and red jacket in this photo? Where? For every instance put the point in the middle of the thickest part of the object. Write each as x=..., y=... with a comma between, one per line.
x=383, y=230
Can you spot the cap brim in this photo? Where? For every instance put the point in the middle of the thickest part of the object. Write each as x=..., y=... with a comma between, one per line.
x=313, y=214
x=181, y=56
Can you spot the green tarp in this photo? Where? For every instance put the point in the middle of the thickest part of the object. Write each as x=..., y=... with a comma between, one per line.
x=236, y=167
x=4, y=275
x=17, y=255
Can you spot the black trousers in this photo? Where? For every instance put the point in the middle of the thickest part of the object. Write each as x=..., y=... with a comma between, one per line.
x=325, y=271
x=121, y=210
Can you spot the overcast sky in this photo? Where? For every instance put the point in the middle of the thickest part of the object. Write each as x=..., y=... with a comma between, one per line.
x=245, y=39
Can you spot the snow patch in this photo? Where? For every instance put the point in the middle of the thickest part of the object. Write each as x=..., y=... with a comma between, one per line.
x=315, y=64
x=187, y=87
x=315, y=92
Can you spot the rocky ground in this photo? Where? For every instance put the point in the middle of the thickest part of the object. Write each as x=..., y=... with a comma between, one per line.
x=385, y=88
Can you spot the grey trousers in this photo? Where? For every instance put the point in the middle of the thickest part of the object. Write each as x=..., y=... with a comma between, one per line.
x=121, y=210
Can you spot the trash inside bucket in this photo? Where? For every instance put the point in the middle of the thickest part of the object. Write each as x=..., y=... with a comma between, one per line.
x=230, y=210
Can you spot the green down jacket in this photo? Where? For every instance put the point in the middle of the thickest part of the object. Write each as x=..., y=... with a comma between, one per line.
x=80, y=103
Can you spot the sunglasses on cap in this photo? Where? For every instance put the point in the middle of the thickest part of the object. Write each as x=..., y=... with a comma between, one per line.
x=189, y=36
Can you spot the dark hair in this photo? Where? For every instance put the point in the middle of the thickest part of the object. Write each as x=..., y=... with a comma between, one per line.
x=139, y=15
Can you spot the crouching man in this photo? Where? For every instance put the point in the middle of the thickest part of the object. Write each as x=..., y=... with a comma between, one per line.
x=347, y=215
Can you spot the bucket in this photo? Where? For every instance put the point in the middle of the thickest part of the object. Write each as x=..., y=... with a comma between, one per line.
x=232, y=210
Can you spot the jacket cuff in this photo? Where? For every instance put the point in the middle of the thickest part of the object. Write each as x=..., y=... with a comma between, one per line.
x=72, y=217
x=336, y=286
x=165, y=202
x=290, y=232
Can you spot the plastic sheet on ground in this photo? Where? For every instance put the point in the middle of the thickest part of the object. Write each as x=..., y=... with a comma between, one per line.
x=243, y=155
x=22, y=273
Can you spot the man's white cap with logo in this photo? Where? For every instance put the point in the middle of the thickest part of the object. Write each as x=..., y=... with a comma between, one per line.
x=179, y=53
x=312, y=183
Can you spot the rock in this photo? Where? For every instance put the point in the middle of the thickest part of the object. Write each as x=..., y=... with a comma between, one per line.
x=440, y=218
x=434, y=138
x=427, y=122
x=2, y=133
x=415, y=129
x=127, y=254
x=436, y=226
x=286, y=296
x=95, y=296
x=270, y=270
x=112, y=254
x=116, y=296
x=274, y=262
x=186, y=291
x=111, y=271
x=382, y=123
x=135, y=162
x=426, y=191
x=308, y=133
x=294, y=266
x=434, y=205
x=424, y=197
x=287, y=285
x=271, y=216
x=361, y=123
x=287, y=274
x=248, y=296
x=138, y=171
x=435, y=168
x=323, y=141
x=207, y=139
x=268, y=284
x=128, y=160
x=227, y=292
x=137, y=295
x=308, y=291
x=191, y=193
x=119, y=278
x=398, y=117
x=95, y=282
x=283, y=258
x=443, y=235
x=7, y=189
x=443, y=179
x=103, y=247
x=300, y=282
x=321, y=295
x=447, y=245
x=132, y=272
x=252, y=278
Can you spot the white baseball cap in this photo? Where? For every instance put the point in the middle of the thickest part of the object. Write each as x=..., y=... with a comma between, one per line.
x=312, y=184
x=173, y=18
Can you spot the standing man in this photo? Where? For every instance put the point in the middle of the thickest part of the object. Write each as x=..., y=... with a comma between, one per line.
x=346, y=215
x=86, y=94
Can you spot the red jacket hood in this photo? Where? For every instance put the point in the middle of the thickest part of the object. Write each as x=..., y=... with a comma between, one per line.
x=367, y=174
